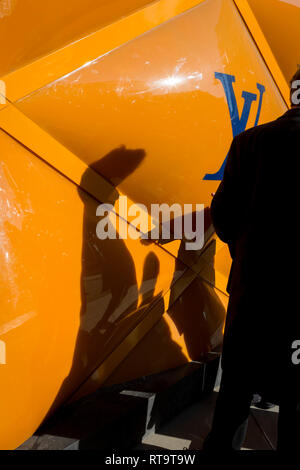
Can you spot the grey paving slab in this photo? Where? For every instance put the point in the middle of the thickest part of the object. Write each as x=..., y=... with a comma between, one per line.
x=118, y=417
x=189, y=428
x=267, y=421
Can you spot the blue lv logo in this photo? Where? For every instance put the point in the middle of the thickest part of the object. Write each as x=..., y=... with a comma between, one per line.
x=238, y=123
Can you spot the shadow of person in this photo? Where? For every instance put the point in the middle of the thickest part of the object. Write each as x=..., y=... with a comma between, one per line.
x=108, y=279
x=198, y=314
x=118, y=164
x=109, y=290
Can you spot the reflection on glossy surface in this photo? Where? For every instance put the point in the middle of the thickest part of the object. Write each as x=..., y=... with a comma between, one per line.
x=161, y=95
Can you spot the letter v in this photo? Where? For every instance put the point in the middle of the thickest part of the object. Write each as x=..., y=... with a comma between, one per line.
x=238, y=124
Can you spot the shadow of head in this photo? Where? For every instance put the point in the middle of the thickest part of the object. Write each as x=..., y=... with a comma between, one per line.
x=118, y=164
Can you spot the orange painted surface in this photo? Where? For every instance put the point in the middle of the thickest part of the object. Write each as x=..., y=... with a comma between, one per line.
x=67, y=298
x=152, y=119
x=282, y=32
x=30, y=29
x=160, y=95
x=65, y=60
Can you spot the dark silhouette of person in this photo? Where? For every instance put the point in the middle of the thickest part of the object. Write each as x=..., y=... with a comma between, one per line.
x=253, y=211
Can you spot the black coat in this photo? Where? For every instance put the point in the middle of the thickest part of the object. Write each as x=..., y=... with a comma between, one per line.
x=255, y=211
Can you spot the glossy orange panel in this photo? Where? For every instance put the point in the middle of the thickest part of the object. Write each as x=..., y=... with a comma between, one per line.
x=153, y=93
x=65, y=60
x=67, y=298
x=167, y=104
x=162, y=96
x=32, y=28
x=280, y=23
